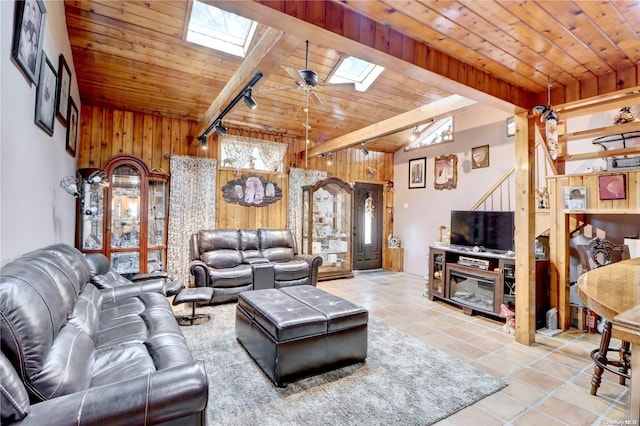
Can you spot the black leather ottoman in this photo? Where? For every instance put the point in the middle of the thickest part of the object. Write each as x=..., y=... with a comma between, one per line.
x=298, y=331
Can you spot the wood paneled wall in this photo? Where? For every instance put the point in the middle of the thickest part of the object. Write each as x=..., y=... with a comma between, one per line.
x=106, y=132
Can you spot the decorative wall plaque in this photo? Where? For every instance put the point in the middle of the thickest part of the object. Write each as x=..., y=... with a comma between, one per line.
x=251, y=190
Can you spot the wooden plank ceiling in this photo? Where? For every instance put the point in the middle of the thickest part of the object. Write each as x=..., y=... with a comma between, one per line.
x=133, y=56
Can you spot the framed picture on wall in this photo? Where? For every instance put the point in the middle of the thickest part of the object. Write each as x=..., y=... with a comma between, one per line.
x=446, y=172
x=511, y=126
x=417, y=173
x=28, y=29
x=575, y=197
x=480, y=157
x=46, y=96
x=72, y=128
x=612, y=187
x=64, y=87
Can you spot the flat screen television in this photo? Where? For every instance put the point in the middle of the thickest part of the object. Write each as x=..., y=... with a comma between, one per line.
x=487, y=229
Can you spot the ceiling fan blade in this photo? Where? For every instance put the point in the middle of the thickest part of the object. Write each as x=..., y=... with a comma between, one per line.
x=315, y=99
x=281, y=89
x=341, y=86
x=293, y=74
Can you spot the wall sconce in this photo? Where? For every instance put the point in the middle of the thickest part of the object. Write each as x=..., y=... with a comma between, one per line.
x=414, y=134
x=389, y=185
x=203, y=141
x=70, y=185
x=370, y=172
x=330, y=159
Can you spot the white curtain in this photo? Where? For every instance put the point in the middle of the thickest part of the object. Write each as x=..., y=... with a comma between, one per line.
x=191, y=208
x=240, y=150
x=297, y=179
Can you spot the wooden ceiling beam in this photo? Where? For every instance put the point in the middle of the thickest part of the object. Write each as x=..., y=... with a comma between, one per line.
x=269, y=53
x=333, y=25
x=407, y=120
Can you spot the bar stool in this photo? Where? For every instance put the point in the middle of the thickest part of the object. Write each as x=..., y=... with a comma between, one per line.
x=596, y=253
x=193, y=295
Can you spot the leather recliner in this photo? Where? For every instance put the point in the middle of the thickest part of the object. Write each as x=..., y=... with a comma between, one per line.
x=232, y=261
x=75, y=354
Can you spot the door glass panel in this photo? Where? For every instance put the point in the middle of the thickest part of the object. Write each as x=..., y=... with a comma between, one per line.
x=156, y=232
x=369, y=208
x=125, y=208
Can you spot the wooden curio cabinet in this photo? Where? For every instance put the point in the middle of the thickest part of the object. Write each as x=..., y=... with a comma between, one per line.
x=327, y=228
x=126, y=220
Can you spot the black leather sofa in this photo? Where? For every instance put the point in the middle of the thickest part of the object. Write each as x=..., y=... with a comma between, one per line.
x=73, y=354
x=232, y=261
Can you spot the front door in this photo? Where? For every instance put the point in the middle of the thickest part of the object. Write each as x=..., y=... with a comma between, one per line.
x=367, y=226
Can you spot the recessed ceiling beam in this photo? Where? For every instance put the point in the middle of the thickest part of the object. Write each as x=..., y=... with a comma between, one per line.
x=404, y=121
x=273, y=48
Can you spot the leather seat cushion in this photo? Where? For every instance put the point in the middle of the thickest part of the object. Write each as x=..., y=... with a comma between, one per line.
x=282, y=316
x=231, y=277
x=291, y=270
x=340, y=313
x=121, y=362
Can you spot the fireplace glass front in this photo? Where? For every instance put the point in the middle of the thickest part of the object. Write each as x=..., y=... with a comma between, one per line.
x=472, y=289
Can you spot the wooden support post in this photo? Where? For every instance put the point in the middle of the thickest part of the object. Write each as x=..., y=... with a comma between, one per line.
x=525, y=227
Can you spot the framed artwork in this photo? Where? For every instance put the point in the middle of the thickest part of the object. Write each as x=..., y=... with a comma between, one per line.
x=418, y=173
x=612, y=187
x=28, y=29
x=480, y=157
x=72, y=128
x=64, y=88
x=46, y=96
x=251, y=190
x=511, y=126
x=446, y=172
x=575, y=197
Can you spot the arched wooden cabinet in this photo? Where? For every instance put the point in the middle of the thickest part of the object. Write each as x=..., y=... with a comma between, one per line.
x=326, y=226
x=127, y=219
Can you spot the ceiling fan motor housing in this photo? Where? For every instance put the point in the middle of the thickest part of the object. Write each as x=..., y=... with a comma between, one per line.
x=309, y=76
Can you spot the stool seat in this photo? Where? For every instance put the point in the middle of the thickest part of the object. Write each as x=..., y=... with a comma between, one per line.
x=193, y=295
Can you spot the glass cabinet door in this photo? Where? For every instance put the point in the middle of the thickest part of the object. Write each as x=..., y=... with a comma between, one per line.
x=92, y=217
x=157, y=225
x=125, y=187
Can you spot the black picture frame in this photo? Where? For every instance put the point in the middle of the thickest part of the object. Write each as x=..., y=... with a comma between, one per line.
x=64, y=90
x=46, y=96
x=72, y=128
x=418, y=173
x=28, y=30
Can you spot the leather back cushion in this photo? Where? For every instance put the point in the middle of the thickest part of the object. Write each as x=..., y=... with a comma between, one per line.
x=222, y=258
x=276, y=244
x=98, y=263
x=14, y=400
x=249, y=244
x=220, y=248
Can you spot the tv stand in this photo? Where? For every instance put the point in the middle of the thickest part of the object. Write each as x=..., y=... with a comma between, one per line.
x=480, y=281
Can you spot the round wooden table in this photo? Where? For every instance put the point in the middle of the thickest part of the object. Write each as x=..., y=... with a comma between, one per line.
x=613, y=292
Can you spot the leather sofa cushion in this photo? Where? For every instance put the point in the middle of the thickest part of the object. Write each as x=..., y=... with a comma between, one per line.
x=291, y=270
x=232, y=277
x=218, y=239
x=249, y=245
x=222, y=258
x=282, y=316
x=277, y=244
x=340, y=313
x=14, y=400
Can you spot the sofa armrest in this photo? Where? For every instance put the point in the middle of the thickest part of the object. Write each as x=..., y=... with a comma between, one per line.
x=151, y=276
x=114, y=294
x=158, y=397
x=314, y=262
x=200, y=272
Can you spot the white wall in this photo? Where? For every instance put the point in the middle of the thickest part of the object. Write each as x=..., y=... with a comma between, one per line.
x=418, y=212
x=34, y=210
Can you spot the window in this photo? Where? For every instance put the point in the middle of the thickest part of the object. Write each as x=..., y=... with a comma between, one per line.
x=220, y=30
x=357, y=71
x=433, y=133
x=247, y=153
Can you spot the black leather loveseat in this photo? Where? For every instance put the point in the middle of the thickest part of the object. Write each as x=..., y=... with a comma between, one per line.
x=76, y=355
x=236, y=260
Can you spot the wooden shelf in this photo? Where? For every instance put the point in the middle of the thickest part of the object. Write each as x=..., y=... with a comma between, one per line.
x=633, y=126
x=603, y=211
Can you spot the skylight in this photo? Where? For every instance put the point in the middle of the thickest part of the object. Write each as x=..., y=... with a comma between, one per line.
x=433, y=133
x=220, y=30
x=354, y=70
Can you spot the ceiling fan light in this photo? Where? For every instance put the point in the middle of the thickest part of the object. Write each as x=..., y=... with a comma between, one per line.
x=309, y=76
x=248, y=100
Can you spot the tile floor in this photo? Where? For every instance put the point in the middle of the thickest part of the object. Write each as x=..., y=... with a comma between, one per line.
x=549, y=381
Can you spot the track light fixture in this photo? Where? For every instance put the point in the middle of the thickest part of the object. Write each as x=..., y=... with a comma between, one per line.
x=246, y=95
x=248, y=99
x=203, y=141
x=364, y=149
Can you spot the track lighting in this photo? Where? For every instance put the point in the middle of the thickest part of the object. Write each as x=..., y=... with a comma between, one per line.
x=248, y=99
x=203, y=141
x=364, y=149
x=220, y=129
